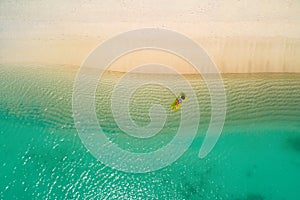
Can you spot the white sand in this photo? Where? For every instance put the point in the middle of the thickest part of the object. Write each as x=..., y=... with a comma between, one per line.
x=231, y=54
x=240, y=36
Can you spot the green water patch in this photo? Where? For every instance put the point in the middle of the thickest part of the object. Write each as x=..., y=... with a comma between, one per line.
x=252, y=196
x=42, y=156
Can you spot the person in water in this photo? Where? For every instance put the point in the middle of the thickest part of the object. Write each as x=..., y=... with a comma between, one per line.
x=179, y=101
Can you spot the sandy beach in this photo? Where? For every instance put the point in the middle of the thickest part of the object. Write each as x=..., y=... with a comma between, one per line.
x=264, y=38
x=230, y=54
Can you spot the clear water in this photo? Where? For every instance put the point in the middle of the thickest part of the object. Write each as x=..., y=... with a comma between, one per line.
x=42, y=157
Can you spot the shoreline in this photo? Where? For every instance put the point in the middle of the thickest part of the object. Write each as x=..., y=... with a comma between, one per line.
x=76, y=67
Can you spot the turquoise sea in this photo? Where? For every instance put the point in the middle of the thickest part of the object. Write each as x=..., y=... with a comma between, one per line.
x=42, y=157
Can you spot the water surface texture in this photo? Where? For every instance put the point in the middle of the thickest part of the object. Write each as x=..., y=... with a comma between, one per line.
x=42, y=157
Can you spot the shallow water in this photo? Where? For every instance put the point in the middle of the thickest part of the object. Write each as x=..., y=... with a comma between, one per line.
x=42, y=157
